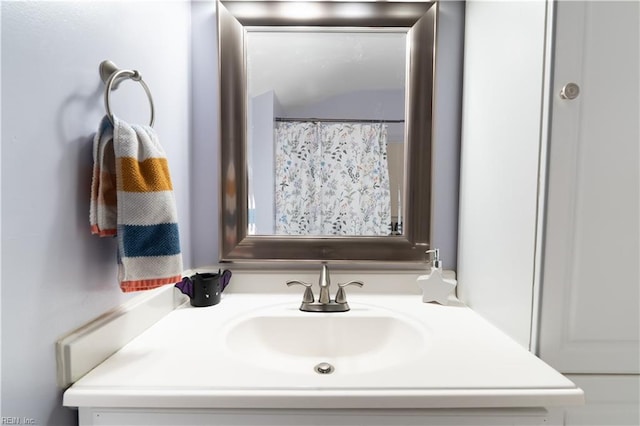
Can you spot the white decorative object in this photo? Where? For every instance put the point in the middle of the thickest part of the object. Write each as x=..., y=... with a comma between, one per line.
x=435, y=287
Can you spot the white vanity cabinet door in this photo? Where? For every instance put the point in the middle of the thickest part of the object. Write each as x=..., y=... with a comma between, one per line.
x=611, y=400
x=280, y=417
x=590, y=321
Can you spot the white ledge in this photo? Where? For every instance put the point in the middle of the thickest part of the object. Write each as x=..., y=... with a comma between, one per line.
x=322, y=399
x=79, y=351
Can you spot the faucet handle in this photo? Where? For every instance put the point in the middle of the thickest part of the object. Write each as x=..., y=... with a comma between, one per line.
x=341, y=296
x=307, y=297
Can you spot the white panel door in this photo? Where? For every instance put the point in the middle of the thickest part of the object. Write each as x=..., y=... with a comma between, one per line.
x=590, y=291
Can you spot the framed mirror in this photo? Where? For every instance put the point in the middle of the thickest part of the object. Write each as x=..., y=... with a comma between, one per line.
x=347, y=79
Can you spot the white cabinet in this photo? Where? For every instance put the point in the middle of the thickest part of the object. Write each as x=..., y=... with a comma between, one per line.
x=610, y=400
x=590, y=304
x=329, y=417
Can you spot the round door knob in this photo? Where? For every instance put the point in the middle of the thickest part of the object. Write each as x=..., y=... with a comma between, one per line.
x=570, y=91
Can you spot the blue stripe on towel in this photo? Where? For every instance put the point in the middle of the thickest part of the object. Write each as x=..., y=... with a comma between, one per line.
x=150, y=240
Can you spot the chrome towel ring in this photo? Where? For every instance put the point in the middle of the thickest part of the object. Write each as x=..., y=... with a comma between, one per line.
x=112, y=76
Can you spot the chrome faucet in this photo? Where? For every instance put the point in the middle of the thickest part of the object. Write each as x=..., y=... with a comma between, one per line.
x=324, y=303
x=324, y=282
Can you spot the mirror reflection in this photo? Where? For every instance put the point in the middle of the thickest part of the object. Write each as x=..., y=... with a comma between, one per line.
x=325, y=131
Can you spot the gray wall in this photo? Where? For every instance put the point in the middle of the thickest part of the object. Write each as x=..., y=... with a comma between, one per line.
x=446, y=126
x=447, y=118
x=262, y=180
x=381, y=104
x=205, y=134
x=55, y=275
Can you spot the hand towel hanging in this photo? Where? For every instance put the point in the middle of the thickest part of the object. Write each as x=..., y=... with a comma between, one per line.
x=129, y=162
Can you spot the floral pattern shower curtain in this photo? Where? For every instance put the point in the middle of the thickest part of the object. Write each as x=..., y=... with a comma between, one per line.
x=332, y=179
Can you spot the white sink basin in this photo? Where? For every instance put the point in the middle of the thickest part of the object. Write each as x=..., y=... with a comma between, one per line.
x=362, y=340
x=258, y=351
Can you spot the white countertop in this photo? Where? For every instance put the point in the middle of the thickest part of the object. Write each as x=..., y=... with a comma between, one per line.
x=180, y=362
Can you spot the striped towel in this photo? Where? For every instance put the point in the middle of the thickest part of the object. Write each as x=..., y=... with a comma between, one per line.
x=132, y=198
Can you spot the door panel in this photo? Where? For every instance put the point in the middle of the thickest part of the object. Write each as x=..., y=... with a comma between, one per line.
x=590, y=319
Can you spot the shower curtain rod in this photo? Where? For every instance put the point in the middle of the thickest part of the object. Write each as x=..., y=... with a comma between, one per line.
x=338, y=120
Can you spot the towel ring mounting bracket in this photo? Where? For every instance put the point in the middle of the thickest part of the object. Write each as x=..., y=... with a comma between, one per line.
x=112, y=76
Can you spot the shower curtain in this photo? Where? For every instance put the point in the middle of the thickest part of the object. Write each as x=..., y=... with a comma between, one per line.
x=332, y=179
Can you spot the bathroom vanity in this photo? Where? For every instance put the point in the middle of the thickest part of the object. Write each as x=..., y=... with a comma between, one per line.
x=251, y=360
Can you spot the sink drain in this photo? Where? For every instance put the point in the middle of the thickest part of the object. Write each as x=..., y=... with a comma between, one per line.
x=324, y=368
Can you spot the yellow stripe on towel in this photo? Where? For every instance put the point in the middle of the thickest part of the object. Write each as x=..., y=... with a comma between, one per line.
x=150, y=175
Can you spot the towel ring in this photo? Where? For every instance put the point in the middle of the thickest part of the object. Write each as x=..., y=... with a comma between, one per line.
x=113, y=77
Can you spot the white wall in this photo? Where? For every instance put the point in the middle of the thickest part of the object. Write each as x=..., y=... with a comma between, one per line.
x=501, y=141
x=55, y=275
